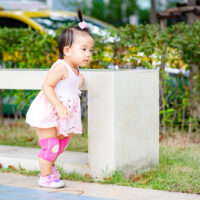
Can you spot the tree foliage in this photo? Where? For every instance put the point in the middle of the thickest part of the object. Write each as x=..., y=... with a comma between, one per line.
x=115, y=12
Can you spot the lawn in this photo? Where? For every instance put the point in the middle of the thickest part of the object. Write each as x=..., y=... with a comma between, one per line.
x=21, y=134
x=179, y=165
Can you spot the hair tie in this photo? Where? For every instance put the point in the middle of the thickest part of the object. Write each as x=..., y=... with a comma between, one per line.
x=82, y=25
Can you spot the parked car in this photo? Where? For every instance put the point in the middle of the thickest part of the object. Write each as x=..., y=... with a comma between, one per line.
x=47, y=21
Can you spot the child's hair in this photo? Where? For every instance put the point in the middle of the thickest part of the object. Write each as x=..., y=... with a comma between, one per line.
x=67, y=36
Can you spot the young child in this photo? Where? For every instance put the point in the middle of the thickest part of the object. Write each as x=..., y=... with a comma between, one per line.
x=56, y=112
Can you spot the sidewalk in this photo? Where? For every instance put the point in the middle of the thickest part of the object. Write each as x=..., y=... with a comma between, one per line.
x=21, y=187
x=27, y=158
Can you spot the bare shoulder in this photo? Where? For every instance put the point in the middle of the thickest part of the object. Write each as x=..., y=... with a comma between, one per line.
x=60, y=69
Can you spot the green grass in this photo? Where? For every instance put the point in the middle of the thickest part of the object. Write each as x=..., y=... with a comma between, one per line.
x=179, y=170
x=20, y=170
x=20, y=134
x=179, y=165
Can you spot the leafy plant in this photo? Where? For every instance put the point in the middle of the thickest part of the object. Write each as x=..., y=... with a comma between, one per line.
x=143, y=46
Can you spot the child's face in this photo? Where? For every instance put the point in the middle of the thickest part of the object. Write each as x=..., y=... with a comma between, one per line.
x=80, y=53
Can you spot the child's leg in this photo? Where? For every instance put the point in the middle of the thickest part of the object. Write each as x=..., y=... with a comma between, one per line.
x=49, y=149
x=63, y=143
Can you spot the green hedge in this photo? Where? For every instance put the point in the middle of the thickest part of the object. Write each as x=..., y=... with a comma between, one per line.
x=146, y=46
x=25, y=48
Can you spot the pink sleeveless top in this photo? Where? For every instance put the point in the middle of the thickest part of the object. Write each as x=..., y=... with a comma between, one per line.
x=42, y=113
x=68, y=86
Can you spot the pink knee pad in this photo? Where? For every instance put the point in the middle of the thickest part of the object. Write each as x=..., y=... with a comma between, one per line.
x=63, y=144
x=50, y=149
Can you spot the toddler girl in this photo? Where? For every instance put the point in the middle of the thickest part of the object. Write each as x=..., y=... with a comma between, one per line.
x=56, y=112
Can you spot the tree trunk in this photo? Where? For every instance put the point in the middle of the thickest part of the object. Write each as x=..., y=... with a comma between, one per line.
x=153, y=14
x=1, y=109
x=162, y=93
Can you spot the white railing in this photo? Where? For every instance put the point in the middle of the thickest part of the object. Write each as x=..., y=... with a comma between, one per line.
x=123, y=115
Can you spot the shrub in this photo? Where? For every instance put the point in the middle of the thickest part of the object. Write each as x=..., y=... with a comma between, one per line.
x=146, y=46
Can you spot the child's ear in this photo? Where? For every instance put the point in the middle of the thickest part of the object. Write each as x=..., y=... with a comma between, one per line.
x=66, y=51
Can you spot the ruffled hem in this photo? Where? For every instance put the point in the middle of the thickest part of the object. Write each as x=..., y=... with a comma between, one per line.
x=61, y=131
x=71, y=130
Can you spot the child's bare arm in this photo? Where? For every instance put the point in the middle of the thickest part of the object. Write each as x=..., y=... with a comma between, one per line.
x=81, y=81
x=54, y=75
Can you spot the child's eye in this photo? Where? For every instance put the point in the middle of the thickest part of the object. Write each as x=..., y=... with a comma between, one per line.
x=91, y=50
x=84, y=49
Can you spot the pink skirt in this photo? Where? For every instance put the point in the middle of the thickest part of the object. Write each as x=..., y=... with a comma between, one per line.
x=42, y=114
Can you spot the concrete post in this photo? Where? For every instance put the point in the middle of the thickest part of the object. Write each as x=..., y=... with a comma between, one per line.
x=123, y=121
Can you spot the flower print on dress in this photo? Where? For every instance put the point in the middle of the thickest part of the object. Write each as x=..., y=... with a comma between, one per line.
x=73, y=123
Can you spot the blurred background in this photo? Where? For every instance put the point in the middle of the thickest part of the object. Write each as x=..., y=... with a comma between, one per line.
x=129, y=34
x=115, y=12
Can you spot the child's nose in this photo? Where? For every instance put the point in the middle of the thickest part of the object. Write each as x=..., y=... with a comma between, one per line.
x=87, y=53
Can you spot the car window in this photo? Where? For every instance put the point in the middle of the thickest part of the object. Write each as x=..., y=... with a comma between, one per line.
x=11, y=23
x=51, y=24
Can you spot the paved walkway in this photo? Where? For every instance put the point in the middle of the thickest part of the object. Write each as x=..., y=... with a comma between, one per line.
x=20, y=187
x=27, y=158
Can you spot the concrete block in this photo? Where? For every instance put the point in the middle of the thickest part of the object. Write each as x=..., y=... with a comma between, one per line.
x=123, y=117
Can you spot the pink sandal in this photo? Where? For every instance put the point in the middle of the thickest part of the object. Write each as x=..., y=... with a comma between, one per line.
x=50, y=182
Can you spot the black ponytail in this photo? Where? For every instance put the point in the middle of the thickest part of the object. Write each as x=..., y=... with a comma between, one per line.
x=80, y=16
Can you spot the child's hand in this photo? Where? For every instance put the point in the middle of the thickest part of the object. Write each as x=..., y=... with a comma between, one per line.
x=62, y=111
x=81, y=81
